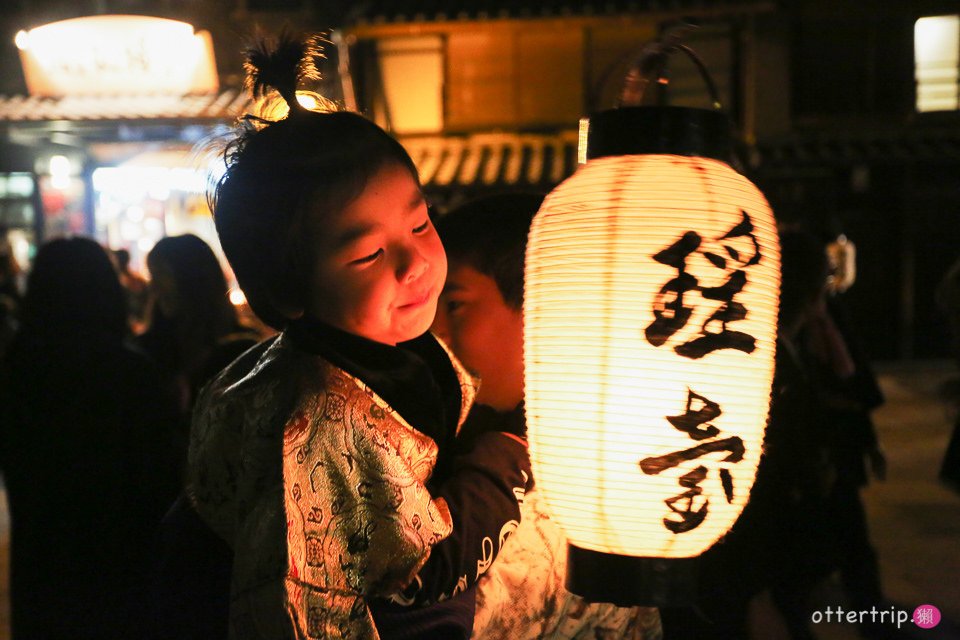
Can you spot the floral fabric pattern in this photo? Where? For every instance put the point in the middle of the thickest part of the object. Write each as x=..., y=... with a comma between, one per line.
x=523, y=597
x=318, y=486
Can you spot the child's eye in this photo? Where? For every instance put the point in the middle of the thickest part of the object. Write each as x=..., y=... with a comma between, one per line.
x=422, y=227
x=367, y=259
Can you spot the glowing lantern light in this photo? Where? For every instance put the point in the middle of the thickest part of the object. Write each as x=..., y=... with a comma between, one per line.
x=652, y=282
x=237, y=297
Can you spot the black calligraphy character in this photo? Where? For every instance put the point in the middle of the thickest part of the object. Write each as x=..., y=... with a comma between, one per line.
x=691, y=420
x=715, y=333
x=699, y=411
x=682, y=504
x=690, y=519
x=670, y=312
x=656, y=464
x=711, y=340
x=726, y=481
x=744, y=229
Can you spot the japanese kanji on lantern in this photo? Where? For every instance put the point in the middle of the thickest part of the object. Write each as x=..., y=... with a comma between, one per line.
x=652, y=279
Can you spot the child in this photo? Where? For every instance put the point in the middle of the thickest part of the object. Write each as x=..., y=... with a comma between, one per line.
x=523, y=595
x=324, y=456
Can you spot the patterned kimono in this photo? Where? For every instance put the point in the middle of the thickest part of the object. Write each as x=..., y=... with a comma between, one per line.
x=319, y=487
x=523, y=596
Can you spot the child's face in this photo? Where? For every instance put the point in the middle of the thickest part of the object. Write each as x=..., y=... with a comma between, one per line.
x=380, y=265
x=485, y=333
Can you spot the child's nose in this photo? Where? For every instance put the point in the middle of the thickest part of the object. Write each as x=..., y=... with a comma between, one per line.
x=412, y=266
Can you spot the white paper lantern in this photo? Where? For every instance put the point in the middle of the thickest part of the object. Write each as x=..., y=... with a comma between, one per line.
x=650, y=314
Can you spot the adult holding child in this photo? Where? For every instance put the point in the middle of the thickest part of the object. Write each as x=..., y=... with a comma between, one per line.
x=522, y=596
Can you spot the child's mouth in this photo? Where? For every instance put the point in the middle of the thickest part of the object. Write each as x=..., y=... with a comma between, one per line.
x=418, y=301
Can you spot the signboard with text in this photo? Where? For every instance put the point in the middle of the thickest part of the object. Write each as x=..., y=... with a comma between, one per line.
x=117, y=55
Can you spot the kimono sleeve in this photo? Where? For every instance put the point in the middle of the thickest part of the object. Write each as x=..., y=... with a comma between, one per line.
x=484, y=494
x=360, y=520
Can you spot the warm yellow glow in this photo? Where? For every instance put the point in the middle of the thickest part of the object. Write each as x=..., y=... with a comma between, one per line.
x=237, y=298
x=599, y=392
x=937, y=57
x=842, y=256
x=582, y=132
x=307, y=101
x=22, y=39
x=413, y=78
x=117, y=54
x=272, y=107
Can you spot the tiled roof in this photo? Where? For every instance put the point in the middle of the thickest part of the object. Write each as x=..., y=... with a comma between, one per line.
x=222, y=106
x=391, y=11
x=852, y=148
x=494, y=159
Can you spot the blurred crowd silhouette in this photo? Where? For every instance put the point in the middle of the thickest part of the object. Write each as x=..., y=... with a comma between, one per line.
x=99, y=370
x=805, y=521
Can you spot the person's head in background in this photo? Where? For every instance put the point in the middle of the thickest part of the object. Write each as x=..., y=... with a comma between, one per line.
x=804, y=269
x=122, y=256
x=191, y=310
x=189, y=284
x=322, y=217
x=481, y=309
x=73, y=293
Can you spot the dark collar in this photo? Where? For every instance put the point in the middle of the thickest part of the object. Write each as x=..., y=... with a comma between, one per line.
x=415, y=377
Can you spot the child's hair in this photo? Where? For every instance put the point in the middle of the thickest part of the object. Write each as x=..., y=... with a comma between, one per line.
x=283, y=177
x=490, y=235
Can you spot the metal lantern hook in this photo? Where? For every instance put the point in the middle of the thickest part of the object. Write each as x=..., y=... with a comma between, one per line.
x=651, y=66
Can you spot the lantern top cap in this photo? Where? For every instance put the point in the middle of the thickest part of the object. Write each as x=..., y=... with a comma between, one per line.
x=682, y=131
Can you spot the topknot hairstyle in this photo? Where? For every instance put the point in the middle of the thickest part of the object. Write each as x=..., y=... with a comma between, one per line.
x=282, y=65
x=490, y=235
x=285, y=178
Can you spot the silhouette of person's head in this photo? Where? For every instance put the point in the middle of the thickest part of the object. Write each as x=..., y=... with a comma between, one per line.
x=188, y=280
x=191, y=295
x=122, y=257
x=73, y=291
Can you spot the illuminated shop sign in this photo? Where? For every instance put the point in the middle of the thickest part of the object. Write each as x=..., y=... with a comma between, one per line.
x=114, y=55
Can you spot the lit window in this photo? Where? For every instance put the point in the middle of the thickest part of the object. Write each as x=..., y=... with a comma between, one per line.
x=413, y=83
x=510, y=76
x=937, y=56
